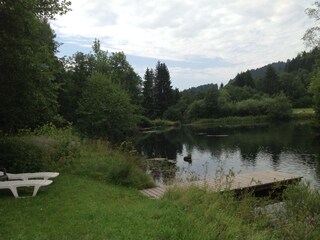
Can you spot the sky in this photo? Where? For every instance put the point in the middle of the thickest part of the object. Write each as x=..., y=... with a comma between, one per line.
x=201, y=41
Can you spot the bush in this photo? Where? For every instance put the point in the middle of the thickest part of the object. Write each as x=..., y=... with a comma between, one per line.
x=143, y=122
x=195, y=110
x=18, y=155
x=251, y=107
x=173, y=113
x=43, y=149
x=279, y=108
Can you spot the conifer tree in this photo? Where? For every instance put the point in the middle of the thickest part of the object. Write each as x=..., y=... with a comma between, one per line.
x=271, y=81
x=148, y=95
x=162, y=89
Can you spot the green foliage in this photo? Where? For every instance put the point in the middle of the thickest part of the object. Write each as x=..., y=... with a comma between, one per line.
x=28, y=65
x=271, y=84
x=300, y=218
x=244, y=79
x=195, y=110
x=100, y=161
x=279, y=108
x=252, y=107
x=294, y=87
x=216, y=216
x=46, y=148
x=211, y=102
x=164, y=123
x=79, y=206
x=148, y=93
x=143, y=122
x=19, y=155
x=315, y=90
x=236, y=94
x=158, y=94
x=234, y=121
x=174, y=113
x=304, y=60
x=105, y=109
x=124, y=75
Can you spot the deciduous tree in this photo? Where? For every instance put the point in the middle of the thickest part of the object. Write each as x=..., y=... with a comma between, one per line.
x=28, y=66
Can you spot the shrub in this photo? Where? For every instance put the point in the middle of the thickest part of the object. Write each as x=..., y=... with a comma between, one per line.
x=279, y=108
x=251, y=107
x=18, y=155
x=46, y=148
x=195, y=110
x=143, y=122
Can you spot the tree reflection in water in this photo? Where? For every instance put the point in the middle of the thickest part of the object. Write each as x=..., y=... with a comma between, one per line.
x=291, y=148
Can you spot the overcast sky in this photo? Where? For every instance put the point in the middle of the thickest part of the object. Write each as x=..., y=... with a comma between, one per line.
x=201, y=41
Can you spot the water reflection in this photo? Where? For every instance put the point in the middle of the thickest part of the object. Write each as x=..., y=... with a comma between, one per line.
x=289, y=148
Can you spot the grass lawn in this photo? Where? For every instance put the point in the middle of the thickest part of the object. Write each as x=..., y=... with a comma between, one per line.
x=76, y=207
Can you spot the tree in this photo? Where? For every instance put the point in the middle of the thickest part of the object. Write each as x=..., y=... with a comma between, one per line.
x=244, y=79
x=315, y=90
x=124, y=75
x=271, y=81
x=28, y=66
x=119, y=69
x=81, y=66
x=211, y=101
x=312, y=35
x=312, y=39
x=105, y=109
x=77, y=70
x=162, y=89
x=148, y=93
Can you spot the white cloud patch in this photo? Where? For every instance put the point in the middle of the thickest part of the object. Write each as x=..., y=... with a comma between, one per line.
x=243, y=33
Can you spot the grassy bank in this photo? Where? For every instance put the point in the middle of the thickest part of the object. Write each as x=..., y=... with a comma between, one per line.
x=96, y=197
x=252, y=121
x=247, y=121
x=76, y=207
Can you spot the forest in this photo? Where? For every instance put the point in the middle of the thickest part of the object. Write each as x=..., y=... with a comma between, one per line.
x=74, y=115
x=101, y=94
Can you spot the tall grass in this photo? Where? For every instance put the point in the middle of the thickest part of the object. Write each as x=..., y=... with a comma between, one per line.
x=222, y=216
x=99, y=160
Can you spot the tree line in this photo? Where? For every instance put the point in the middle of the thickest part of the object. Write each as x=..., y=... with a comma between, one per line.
x=101, y=94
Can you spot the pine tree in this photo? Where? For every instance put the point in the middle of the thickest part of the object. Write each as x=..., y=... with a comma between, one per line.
x=271, y=81
x=148, y=94
x=162, y=89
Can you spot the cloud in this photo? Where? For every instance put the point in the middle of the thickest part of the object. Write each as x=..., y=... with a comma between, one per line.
x=209, y=34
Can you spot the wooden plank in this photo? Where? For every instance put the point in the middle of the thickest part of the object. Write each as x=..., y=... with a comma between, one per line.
x=237, y=183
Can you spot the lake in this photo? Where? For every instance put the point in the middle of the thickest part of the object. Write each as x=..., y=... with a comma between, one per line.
x=292, y=148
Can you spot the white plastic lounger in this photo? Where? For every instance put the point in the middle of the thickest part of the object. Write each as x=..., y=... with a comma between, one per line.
x=12, y=185
x=28, y=176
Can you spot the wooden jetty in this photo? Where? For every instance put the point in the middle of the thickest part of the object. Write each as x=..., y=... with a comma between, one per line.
x=256, y=182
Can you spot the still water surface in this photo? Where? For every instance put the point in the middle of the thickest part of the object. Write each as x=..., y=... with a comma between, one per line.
x=292, y=148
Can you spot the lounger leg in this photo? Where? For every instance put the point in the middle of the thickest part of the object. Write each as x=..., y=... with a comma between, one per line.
x=14, y=191
x=36, y=188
